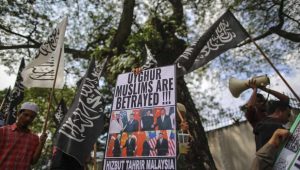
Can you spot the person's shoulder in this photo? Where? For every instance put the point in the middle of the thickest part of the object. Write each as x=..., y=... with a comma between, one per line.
x=10, y=127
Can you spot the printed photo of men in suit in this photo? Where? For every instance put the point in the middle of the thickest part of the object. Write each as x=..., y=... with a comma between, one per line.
x=132, y=125
x=117, y=146
x=147, y=123
x=130, y=146
x=162, y=146
x=164, y=121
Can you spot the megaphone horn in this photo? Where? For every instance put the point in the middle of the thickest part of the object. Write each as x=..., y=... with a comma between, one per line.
x=237, y=86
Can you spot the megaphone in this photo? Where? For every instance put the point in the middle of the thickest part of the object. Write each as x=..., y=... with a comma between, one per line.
x=237, y=86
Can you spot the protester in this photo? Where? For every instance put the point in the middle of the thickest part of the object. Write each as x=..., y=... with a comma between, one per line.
x=256, y=107
x=265, y=128
x=19, y=147
x=265, y=156
x=132, y=125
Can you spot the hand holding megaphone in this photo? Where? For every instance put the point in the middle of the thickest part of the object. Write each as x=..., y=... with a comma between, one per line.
x=237, y=86
x=258, y=82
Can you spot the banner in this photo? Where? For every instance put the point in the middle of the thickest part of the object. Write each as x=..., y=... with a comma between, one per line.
x=41, y=71
x=289, y=157
x=142, y=131
x=4, y=102
x=60, y=113
x=84, y=122
x=224, y=34
x=16, y=96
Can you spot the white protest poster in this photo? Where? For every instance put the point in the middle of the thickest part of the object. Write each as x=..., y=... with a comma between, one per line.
x=142, y=131
x=289, y=157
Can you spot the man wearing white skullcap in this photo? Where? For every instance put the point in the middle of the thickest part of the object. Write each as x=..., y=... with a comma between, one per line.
x=19, y=147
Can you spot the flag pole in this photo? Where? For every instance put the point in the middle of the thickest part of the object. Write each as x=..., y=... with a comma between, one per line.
x=272, y=65
x=95, y=157
x=51, y=94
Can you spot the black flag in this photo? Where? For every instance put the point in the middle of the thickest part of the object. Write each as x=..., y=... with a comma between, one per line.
x=84, y=121
x=3, y=106
x=16, y=96
x=224, y=34
x=4, y=102
x=60, y=113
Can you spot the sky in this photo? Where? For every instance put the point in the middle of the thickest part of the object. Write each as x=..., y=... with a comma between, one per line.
x=225, y=98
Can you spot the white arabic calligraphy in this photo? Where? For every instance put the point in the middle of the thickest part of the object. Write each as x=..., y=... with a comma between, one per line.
x=89, y=109
x=221, y=37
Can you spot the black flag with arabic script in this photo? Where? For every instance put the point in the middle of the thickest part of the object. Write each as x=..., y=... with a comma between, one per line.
x=84, y=122
x=224, y=34
x=60, y=113
x=16, y=96
x=4, y=102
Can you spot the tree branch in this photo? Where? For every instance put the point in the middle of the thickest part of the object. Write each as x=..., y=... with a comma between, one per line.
x=74, y=52
x=124, y=28
x=177, y=11
x=17, y=34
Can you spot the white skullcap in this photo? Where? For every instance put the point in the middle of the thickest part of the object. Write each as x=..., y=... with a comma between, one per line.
x=30, y=106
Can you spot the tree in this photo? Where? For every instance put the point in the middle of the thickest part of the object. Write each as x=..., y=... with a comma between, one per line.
x=120, y=30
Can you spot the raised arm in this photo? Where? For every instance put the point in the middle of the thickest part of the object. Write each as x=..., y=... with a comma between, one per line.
x=39, y=148
x=278, y=95
x=250, y=106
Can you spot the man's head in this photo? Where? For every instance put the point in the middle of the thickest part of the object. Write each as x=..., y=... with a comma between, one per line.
x=162, y=111
x=26, y=114
x=260, y=101
x=282, y=112
x=117, y=115
x=148, y=112
x=160, y=135
x=131, y=116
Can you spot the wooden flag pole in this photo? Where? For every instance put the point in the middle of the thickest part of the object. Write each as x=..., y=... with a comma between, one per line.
x=51, y=94
x=272, y=65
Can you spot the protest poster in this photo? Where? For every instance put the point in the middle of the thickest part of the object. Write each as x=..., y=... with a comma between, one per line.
x=142, y=131
x=289, y=157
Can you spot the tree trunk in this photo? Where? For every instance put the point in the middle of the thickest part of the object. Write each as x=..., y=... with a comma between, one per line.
x=199, y=156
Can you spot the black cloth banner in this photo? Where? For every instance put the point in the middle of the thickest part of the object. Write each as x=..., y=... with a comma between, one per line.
x=4, y=103
x=83, y=122
x=16, y=96
x=224, y=34
x=60, y=113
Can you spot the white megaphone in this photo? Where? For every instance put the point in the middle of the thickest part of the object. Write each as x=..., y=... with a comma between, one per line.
x=237, y=86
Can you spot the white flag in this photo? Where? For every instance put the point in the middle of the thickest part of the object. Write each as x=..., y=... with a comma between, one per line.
x=40, y=72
